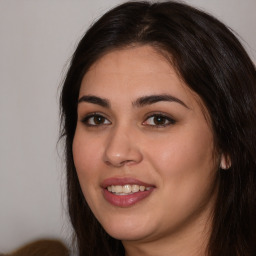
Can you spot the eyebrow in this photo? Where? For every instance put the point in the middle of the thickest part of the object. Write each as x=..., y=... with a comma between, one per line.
x=151, y=99
x=95, y=100
x=140, y=102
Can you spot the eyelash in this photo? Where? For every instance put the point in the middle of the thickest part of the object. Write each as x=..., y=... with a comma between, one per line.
x=167, y=120
x=87, y=118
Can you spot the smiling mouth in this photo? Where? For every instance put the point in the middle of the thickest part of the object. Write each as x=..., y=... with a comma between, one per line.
x=127, y=189
x=125, y=192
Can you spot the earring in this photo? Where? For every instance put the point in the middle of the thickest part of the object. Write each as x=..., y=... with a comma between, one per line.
x=225, y=162
x=224, y=167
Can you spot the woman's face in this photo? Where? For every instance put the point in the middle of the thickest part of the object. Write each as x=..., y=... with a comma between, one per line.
x=143, y=150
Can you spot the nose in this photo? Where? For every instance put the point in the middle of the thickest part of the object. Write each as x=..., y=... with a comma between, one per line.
x=122, y=148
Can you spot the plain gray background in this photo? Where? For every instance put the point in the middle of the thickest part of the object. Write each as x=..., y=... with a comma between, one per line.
x=37, y=39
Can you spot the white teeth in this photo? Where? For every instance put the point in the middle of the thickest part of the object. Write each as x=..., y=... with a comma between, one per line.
x=142, y=188
x=126, y=189
x=117, y=189
x=135, y=188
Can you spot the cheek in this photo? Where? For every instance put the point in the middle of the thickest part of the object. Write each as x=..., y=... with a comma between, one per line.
x=86, y=159
x=86, y=156
x=184, y=155
x=187, y=170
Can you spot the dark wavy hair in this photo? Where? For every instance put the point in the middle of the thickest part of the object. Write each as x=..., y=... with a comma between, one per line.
x=213, y=63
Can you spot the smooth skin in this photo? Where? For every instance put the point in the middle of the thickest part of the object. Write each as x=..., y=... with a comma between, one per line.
x=166, y=141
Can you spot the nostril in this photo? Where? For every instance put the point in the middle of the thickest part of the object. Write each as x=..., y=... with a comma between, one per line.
x=127, y=162
x=119, y=164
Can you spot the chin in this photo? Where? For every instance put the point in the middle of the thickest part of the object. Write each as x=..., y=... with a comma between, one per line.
x=128, y=235
x=127, y=229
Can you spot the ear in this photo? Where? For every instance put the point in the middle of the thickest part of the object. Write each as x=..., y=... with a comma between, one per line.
x=225, y=161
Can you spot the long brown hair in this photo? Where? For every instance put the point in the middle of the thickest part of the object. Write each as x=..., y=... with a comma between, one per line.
x=213, y=63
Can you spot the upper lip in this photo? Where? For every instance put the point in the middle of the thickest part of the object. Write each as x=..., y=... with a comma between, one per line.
x=123, y=181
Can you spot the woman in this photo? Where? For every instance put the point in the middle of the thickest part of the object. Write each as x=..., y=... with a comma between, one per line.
x=158, y=111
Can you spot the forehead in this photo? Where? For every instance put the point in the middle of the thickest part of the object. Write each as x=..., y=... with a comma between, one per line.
x=135, y=72
x=146, y=57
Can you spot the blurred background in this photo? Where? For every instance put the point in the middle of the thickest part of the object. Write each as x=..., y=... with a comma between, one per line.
x=37, y=39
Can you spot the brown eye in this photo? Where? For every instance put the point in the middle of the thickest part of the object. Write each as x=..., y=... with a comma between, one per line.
x=159, y=121
x=96, y=120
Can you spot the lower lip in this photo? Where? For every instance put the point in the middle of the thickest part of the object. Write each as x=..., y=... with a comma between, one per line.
x=125, y=200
